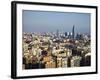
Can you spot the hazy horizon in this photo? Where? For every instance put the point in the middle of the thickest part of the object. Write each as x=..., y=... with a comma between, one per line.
x=47, y=21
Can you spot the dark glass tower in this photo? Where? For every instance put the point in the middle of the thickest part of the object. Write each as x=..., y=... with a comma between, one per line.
x=57, y=33
x=73, y=32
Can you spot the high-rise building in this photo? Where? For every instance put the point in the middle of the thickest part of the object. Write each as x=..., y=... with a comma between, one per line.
x=57, y=33
x=73, y=32
x=66, y=34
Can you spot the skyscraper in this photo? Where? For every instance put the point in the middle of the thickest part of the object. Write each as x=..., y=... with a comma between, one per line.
x=57, y=33
x=66, y=34
x=73, y=32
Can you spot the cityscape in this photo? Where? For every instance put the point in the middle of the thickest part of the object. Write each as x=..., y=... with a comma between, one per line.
x=55, y=49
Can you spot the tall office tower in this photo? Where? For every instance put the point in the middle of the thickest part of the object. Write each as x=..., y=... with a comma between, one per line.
x=73, y=33
x=66, y=34
x=57, y=33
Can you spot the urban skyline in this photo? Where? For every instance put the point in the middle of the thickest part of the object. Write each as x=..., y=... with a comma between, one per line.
x=52, y=40
x=43, y=21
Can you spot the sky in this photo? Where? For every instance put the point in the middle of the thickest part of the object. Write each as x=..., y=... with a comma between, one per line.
x=50, y=21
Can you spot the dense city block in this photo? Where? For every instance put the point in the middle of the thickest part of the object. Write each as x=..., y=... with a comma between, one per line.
x=56, y=50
